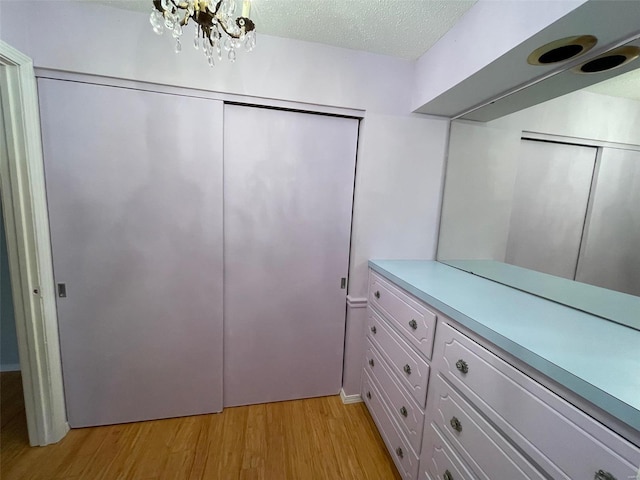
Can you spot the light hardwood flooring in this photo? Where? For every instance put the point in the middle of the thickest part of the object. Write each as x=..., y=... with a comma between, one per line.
x=318, y=438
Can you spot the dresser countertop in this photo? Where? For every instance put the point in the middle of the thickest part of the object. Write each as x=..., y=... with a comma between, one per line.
x=597, y=359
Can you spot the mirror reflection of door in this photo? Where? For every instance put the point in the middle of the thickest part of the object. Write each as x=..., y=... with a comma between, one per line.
x=610, y=252
x=549, y=206
x=575, y=214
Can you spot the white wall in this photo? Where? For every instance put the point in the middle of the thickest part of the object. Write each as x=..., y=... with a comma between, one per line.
x=481, y=169
x=581, y=114
x=398, y=185
x=400, y=157
x=103, y=40
x=397, y=210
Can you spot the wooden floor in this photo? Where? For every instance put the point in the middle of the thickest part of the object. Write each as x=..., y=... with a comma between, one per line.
x=318, y=438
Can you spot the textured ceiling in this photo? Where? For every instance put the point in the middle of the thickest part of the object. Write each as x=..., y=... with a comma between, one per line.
x=626, y=85
x=401, y=28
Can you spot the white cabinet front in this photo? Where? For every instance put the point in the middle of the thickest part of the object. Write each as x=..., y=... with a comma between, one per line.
x=407, y=365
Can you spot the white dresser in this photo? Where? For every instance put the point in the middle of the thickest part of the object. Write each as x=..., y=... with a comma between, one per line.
x=400, y=333
x=455, y=406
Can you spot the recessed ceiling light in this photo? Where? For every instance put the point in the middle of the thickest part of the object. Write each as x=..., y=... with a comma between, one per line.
x=562, y=50
x=608, y=61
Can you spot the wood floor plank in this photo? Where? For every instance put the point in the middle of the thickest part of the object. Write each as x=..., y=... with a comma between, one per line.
x=89, y=441
x=202, y=446
x=153, y=453
x=314, y=439
x=182, y=450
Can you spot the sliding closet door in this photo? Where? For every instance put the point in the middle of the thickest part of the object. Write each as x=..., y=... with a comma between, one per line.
x=549, y=206
x=134, y=187
x=610, y=255
x=288, y=189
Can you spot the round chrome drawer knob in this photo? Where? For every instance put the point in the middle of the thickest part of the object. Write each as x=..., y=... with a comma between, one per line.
x=371, y=362
x=447, y=475
x=455, y=424
x=369, y=395
x=399, y=452
x=403, y=412
x=407, y=369
x=377, y=294
x=462, y=366
x=373, y=329
x=413, y=324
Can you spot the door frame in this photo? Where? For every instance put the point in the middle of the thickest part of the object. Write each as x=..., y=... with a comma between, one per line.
x=29, y=250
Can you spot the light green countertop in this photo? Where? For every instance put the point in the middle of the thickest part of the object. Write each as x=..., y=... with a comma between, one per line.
x=597, y=359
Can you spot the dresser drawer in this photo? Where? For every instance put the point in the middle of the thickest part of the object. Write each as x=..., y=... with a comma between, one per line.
x=438, y=461
x=405, y=363
x=484, y=449
x=402, y=407
x=406, y=461
x=557, y=436
x=409, y=315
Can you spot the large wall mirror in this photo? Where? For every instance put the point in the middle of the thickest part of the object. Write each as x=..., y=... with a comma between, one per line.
x=547, y=199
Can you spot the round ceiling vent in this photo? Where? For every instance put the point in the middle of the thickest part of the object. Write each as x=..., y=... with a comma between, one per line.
x=562, y=50
x=608, y=61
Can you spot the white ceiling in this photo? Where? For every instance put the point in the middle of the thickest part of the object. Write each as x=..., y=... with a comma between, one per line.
x=400, y=28
x=626, y=85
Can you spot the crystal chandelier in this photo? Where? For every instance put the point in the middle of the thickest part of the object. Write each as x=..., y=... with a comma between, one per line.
x=212, y=19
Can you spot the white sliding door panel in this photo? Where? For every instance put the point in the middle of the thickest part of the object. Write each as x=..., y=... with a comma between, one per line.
x=610, y=256
x=549, y=206
x=134, y=187
x=288, y=189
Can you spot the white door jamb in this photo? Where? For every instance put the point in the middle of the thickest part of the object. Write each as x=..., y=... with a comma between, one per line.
x=29, y=248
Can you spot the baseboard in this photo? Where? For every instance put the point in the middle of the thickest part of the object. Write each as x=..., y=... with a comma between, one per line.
x=10, y=367
x=347, y=399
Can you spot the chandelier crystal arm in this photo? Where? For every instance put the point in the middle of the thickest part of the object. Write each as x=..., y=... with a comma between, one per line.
x=224, y=27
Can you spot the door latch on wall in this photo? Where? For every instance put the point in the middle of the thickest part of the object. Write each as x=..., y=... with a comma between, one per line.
x=343, y=283
x=62, y=290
